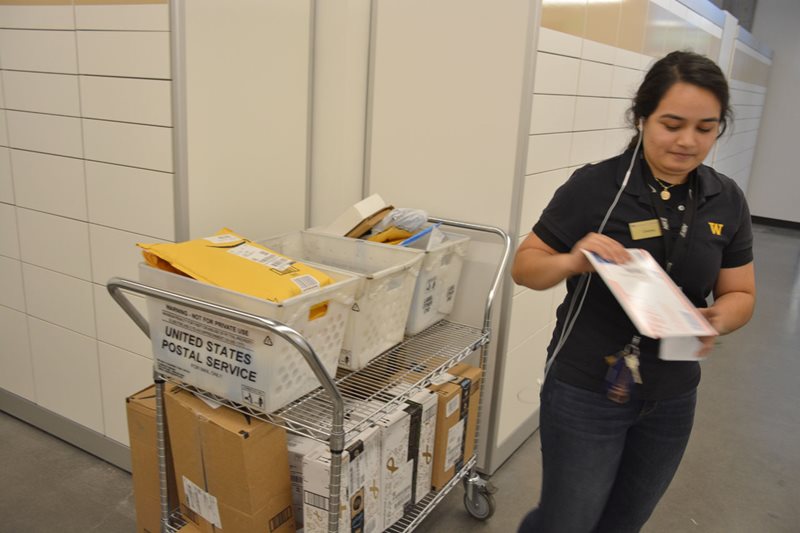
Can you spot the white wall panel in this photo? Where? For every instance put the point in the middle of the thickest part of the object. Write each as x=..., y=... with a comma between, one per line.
x=599, y=52
x=143, y=17
x=40, y=17
x=629, y=59
x=748, y=111
x=59, y=299
x=41, y=51
x=115, y=327
x=455, y=140
x=66, y=373
x=120, y=197
x=6, y=180
x=539, y=189
x=552, y=113
x=3, y=128
x=747, y=124
x=9, y=242
x=128, y=54
x=134, y=145
x=520, y=394
x=50, y=183
x=590, y=113
x=25, y=131
x=616, y=141
x=559, y=43
x=531, y=311
x=548, y=152
x=341, y=63
x=587, y=147
x=556, y=74
x=625, y=82
x=739, y=97
x=617, y=109
x=114, y=253
x=43, y=93
x=15, y=354
x=11, y=293
x=121, y=374
x=595, y=79
x=258, y=142
x=126, y=100
x=55, y=243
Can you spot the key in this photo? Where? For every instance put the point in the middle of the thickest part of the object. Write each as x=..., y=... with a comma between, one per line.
x=632, y=362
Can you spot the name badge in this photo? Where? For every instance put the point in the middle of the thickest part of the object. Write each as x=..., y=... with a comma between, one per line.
x=645, y=229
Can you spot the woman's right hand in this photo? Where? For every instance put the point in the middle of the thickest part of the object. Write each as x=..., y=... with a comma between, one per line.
x=538, y=266
x=602, y=245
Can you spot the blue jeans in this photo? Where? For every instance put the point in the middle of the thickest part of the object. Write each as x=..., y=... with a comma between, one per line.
x=605, y=465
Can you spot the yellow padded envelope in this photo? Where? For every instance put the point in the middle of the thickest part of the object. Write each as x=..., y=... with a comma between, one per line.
x=230, y=261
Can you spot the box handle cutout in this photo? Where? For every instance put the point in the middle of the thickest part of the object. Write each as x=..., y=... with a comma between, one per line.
x=318, y=311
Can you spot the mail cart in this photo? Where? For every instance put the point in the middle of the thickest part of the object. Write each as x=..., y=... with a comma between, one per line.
x=348, y=402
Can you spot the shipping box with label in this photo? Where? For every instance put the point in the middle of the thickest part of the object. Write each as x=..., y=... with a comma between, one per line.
x=141, y=410
x=470, y=377
x=232, y=470
x=299, y=448
x=360, y=502
x=422, y=410
x=188, y=527
x=397, y=471
x=455, y=431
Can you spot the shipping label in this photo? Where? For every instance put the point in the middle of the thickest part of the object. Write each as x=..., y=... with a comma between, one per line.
x=201, y=502
x=455, y=437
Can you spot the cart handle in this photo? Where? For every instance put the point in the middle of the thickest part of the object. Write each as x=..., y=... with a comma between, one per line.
x=116, y=286
x=501, y=267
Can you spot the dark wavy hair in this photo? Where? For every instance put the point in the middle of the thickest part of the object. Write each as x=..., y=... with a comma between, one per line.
x=680, y=66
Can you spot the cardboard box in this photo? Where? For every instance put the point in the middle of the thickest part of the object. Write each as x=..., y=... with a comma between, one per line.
x=141, y=411
x=232, y=470
x=457, y=417
x=187, y=528
x=299, y=448
x=360, y=503
x=397, y=471
x=422, y=409
x=474, y=375
x=359, y=218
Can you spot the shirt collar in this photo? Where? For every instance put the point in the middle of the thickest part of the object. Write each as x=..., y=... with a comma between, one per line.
x=710, y=183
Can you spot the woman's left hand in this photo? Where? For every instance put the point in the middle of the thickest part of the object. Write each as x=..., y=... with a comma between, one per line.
x=714, y=318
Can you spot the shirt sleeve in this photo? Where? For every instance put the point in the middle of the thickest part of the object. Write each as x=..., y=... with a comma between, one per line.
x=739, y=251
x=565, y=219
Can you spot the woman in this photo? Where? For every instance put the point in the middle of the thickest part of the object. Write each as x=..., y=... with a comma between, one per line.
x=614, y=428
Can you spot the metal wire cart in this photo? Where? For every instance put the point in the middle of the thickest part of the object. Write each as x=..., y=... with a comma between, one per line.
x=344, y=404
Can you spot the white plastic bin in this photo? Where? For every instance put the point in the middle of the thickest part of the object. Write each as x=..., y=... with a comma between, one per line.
x=383, y=298
x=437, y=283
x=243, y=364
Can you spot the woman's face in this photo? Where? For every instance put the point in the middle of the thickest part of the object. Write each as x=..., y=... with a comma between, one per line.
x=680, y=132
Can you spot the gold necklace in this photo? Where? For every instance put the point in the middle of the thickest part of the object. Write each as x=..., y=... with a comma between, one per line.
x=665, y=194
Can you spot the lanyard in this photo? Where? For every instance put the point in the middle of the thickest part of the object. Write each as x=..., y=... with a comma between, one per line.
x=675, y=249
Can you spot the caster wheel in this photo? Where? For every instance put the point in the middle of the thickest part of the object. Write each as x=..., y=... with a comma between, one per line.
x=481, y=506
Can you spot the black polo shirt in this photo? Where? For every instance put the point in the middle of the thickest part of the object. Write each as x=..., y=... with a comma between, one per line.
x=720, y=237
